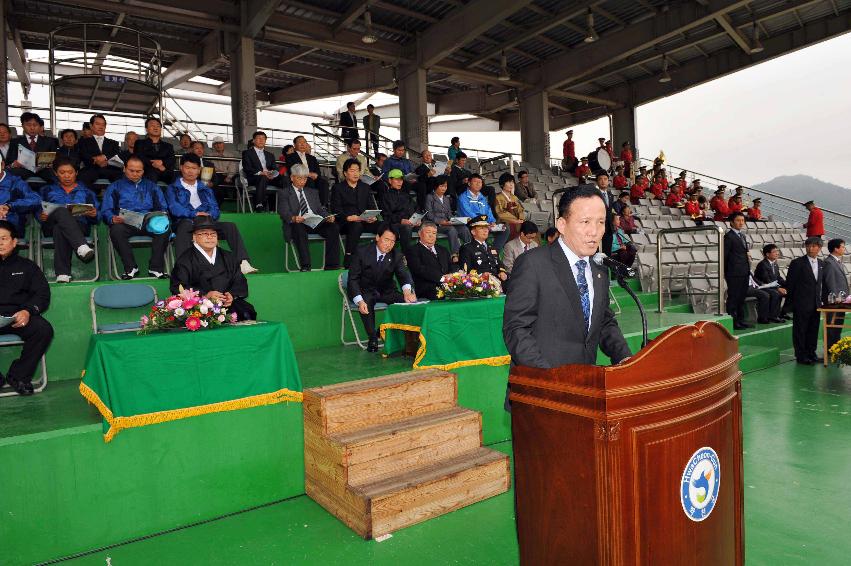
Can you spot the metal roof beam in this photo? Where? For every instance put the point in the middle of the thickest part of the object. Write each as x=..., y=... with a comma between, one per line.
x=357, y=8
x=201, y=19
x=255, y=13
x=727, y=25
x=188, y=66
x=469, y=22
x=362, y=78
x=17, y=58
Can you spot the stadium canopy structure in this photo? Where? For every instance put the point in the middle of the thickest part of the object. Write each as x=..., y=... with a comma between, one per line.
x=532, y=65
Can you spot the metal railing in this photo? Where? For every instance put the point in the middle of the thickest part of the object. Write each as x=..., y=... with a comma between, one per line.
x=660, y=237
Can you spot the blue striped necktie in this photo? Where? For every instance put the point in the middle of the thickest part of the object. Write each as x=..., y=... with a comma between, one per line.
x=582, y=283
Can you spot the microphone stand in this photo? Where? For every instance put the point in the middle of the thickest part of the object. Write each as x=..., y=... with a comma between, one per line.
x=619, y=275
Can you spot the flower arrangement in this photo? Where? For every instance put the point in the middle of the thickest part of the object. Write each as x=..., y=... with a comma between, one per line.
x=464, y=285
x=840, y=353
x=187, y=310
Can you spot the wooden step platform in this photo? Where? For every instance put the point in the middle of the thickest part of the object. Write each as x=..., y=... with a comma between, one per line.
x=385, y=453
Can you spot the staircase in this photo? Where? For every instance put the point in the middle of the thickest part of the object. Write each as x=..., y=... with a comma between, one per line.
x=385, y=453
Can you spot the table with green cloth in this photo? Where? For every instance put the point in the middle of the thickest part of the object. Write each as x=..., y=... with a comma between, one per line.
x=464, y=336
x=138, y=380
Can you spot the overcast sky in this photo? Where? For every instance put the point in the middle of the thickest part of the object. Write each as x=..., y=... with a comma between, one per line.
x=783, y=117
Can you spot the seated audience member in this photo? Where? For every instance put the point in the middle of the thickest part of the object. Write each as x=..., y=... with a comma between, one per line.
x=459, y=177
x=767, y=304
x=696, y=186
x=297, y=201
x=260, y=169
x=426, y=172
x=509, y=211
x=636, y=191
x=6, y=142
x=619, y=181
x=398, y=160
x=212, y=271
x=526, y=240
x=476, y=255
x=156, y=154
x=582, y=170
x=85, y=130
x=768, y=271
x=524, y=190
x=35, y=142
x=352, y=152
x=302, y=155
x=454, y=149
x=371, y=275
x=95, y=153
x=68, y=232
x=719, y=205
x=68, y=148
x=736, y=206
x=739, y=192
x=226, y=169
x=621, y=203
x=138, y=194
x=397, y=208
x=657, y=188
x=472, y=202
x=350, y=198
x=25, y=295
x=378, y=165
x=439, y=210
x=130, y=139
x=428, y=262
x=188, y=198
x=628, y=221
x=551, y=235
x=692, y=207
x=185, y=143
x=17, y=199
x=675, y=198
x=755, y=211
x=623, y=249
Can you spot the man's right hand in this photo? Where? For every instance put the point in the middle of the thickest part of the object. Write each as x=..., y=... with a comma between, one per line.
x=298, y=219
x=363, y=308
x=43, y=217
x=353, y=218
x=215, y=296
x=117, y=220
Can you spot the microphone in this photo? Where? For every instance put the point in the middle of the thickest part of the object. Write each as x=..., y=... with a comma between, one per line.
x=620, y=269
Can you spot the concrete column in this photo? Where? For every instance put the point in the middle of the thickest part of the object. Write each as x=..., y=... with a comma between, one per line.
x=623, y=127
x=413, y=107
x=4, y=68
x=243, y=90
x=535, y=128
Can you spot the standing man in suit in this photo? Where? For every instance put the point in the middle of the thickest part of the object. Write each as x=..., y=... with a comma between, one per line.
x=428, y=262
x=260, y=170
x=156, y=154
x=737, y=270
x=35, y=142
x=314, y=178
x=558, y=311
x=371, y=279
x=297, y=201
x=371, y=125
x=349, y=123
x=804, y=283
x=767, y=271
x=836, y=282
x=95, y=153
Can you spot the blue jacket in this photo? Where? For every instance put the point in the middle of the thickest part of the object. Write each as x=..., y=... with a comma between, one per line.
x=403, y=164
x=79, y=195
x=144, y=196
x=470, y=208
x=21, y=199
x=177, y=197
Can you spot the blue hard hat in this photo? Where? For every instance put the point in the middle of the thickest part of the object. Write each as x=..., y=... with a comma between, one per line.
x=158, y=224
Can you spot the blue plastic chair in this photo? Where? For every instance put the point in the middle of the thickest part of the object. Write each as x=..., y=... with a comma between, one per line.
x=120, y=296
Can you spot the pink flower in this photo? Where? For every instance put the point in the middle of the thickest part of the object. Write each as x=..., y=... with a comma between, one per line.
x=187, y=294
x=233, y=317
x=221, y=318
x=174, y=303
x=145, y=320
x=193, y=323
x=189, y=303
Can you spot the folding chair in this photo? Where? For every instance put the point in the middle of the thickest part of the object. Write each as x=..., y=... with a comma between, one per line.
x=350, y=308
x=290, y=250
x=120, y=296
x=38, y=386
x=135, y=242
x=46, y=242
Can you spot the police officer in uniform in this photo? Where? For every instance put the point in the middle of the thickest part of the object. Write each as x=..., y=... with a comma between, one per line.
x=477, y=255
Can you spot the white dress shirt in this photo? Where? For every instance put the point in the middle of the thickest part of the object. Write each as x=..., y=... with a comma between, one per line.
x=194, y=199
x=261, y=155
x=99, y=140
x=212, y=258
x=572, y=258
x=303, y=157
x=814, y=266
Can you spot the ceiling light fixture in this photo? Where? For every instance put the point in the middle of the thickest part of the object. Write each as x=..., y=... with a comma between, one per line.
x=503, y=68
x=368, y=36
x=665, y=77
x=756, y=46
x=592, y=34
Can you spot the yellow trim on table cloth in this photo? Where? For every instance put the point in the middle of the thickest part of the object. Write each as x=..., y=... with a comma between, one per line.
x=421, y=351
x=117, y=424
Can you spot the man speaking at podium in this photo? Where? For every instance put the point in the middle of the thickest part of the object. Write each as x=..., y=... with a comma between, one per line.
x=557, y=312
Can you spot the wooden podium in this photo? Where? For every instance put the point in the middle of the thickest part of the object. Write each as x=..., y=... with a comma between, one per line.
x=633, y=464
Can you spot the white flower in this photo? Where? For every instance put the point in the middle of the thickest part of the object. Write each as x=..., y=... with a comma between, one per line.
x=204, y=323
x=179, y=311
x=207, y=303
x=203, y=309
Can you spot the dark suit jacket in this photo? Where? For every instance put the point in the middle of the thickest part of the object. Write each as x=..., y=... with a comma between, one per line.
x=347, y=201
x=542, y=321
x=88, y=148
x=349, y=123
x=43, y=143
x=427, y=269
x=288, y=206
x=146, y=151
x=736, y=262
x=835, y=278
x=312, y=162
x=251, y=162
x=366, y=277
x=803, y=290
x=765, y=273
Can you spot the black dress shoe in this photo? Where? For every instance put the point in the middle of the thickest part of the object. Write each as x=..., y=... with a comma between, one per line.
x=259, y=208
x=304, y=268
x=785, y=317
x=777, y=320
x=805, y=362
x=372, y=345
x=741, y=326
x=23, y=389
x=817, y=360
x=762, y=321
